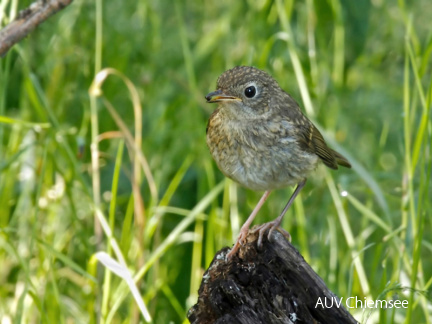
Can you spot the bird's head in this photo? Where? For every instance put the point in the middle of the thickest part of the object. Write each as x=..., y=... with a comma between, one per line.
x=244, y=92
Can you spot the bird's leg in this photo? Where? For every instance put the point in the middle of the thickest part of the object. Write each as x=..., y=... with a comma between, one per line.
x=275, y=224
x=245, y=228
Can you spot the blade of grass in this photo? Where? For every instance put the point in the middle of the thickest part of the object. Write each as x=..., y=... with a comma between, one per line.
x=66, y=260
x=167, y=243
x=343, y=219
x=114, y=188
x=288, y=37
x=124, y=273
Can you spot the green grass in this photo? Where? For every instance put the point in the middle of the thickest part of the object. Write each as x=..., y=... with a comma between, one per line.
x=116, y=161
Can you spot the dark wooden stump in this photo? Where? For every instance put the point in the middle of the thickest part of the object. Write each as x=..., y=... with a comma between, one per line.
x=272, y=286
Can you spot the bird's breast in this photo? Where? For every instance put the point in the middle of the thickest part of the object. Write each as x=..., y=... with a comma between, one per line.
x=258, y=154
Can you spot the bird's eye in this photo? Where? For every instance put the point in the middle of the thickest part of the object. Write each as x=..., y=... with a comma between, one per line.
x=250, y=92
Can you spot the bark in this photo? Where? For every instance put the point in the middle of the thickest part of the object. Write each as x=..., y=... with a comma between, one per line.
x=27, y=20
x=271, y=285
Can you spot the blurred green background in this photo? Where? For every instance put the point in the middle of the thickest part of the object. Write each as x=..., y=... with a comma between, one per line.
x=360, y=69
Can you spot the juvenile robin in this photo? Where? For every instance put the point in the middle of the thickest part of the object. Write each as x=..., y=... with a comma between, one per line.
x=259, y=138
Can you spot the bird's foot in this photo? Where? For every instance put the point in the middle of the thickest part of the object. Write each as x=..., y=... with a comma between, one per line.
x=270, y=227
x=241, y=240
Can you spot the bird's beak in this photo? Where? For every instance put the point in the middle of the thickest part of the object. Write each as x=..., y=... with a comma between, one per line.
x=218, y=95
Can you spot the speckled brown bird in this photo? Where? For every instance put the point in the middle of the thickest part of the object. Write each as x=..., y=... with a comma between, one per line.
x=259, y=137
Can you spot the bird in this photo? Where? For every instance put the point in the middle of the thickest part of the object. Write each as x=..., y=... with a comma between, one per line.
x=259, y=137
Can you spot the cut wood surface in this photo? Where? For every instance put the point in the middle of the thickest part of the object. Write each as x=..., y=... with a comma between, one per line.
x=271, y=285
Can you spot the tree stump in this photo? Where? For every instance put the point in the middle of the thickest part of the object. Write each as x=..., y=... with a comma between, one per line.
x=271, y=286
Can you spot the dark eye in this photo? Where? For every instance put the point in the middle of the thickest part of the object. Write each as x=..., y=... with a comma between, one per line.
x=250, y=92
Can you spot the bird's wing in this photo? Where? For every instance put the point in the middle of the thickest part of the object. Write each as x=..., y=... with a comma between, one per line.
x=312, y=140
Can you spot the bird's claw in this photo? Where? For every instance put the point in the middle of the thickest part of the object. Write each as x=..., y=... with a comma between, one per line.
x=270, y=227
x=241, y=240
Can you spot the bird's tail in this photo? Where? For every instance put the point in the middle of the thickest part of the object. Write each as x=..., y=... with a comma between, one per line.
x=341, y=160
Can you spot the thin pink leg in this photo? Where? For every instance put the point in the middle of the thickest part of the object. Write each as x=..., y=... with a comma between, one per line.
x=245, y=228
x=271, y=226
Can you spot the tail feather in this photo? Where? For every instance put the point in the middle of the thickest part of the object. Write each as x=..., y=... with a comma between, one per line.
x=341, y=160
